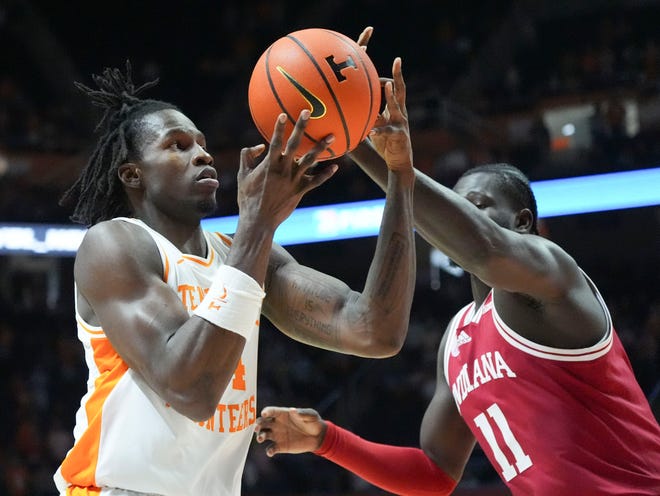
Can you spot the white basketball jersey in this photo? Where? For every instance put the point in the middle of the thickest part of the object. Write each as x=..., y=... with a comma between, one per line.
x=127, y=437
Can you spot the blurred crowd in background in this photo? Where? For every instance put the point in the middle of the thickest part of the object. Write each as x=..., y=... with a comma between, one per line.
x=557, y=88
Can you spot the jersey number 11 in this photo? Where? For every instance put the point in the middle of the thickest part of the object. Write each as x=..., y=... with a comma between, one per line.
x=521, y=459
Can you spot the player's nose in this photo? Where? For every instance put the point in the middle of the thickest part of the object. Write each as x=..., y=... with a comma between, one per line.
x=202, y=157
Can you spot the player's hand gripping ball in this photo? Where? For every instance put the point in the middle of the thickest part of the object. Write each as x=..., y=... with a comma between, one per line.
x=325, y=72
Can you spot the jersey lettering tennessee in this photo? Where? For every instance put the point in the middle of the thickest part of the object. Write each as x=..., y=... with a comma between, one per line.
x=128, y=438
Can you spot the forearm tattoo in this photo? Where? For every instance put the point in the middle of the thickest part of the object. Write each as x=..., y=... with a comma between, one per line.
x=393, y=254
x=308, y=307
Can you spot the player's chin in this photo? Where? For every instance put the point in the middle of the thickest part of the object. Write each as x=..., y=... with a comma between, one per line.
x=207, y=206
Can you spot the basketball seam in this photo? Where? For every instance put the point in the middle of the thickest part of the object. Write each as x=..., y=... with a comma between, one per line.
x=256, y=121
x=281, y=104
x=328, y=87
x=366, y=72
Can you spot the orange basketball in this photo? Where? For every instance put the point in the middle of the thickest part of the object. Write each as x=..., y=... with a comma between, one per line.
x=325, y=72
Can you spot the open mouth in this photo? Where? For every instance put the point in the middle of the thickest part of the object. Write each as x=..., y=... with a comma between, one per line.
x=209, y=177
x=207, y=173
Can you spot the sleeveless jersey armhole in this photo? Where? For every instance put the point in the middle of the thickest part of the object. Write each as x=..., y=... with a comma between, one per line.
x=164, y=259
x=592, y=352
x=460, y=317
x=608, y=317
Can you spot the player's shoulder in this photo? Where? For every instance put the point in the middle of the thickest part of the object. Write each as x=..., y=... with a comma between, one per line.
x=113, y=242
x=115, y=255
x=114, y=234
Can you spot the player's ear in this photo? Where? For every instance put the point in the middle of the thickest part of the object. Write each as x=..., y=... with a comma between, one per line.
x=130, y=175
x=524, y=221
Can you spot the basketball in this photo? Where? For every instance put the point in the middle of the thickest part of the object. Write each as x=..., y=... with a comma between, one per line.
x=323, y=71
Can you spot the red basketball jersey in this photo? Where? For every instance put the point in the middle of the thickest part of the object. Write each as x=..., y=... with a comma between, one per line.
x=552, y=421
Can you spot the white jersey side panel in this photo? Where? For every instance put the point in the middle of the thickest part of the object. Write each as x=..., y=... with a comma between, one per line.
x=127, y=437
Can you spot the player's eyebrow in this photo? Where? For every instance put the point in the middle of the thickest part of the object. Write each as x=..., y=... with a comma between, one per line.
x=183, y=130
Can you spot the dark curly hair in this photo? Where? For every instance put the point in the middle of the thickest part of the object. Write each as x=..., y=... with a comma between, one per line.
x=98, y=194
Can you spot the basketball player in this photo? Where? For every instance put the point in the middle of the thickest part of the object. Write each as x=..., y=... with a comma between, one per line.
x=532, y=369
x=168, y=314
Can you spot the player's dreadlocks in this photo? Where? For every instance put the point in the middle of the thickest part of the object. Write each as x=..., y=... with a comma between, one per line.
x=515, y=183
x=98, y=194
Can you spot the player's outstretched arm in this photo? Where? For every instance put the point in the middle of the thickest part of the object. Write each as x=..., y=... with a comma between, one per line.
x=400, y=470
x=319, y=309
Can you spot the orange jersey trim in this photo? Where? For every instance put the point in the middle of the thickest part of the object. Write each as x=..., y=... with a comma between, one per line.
x=197, y=260
x=224, y=238
x=82, y=491
x=79, y=466
x=166, y=268
x=89, y=330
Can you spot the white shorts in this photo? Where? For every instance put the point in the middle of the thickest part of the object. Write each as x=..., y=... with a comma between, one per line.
x=113, y=491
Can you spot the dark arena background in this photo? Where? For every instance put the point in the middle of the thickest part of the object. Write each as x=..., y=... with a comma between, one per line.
x=562, y=89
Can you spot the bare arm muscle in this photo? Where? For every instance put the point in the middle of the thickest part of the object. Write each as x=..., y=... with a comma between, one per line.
x=323, y=311
x=444, y=435
x=186, y=360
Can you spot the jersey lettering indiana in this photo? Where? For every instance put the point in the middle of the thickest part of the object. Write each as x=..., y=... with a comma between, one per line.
x=127, y=437
x=552, y=421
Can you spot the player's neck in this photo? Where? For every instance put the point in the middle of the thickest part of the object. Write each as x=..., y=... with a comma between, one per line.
x=479, y=290
x=187, y=237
